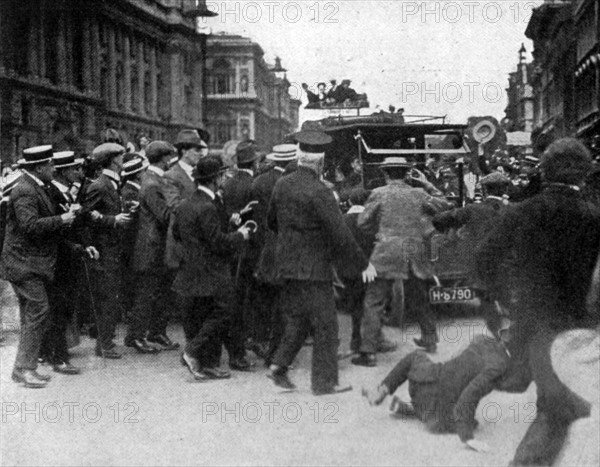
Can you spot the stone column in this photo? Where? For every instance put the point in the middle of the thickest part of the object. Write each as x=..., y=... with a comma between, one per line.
x=175, y=82
x=88, y=56
x=41, y=42
x=95, y=56
x=153, y=82
x=112, y=69
x=61, y=55
x=32, y=53
x=141, y=69
x=126, y=72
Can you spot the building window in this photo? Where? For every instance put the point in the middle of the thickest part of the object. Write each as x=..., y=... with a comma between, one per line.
x=222, y=77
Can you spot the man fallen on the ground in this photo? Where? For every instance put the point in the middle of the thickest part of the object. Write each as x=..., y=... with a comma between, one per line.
x=445, y=396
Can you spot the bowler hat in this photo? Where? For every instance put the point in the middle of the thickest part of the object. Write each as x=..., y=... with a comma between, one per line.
x=282, y=153
x=395, y=162
x=36, y=155
x=246, y=152
x=65, y=159
x=156, y=150
x=207, y=168
x=106, y=151
x=188, y=138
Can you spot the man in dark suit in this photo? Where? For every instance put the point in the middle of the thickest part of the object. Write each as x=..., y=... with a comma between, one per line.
x=103, y=201
x=268, y=319
x=203, y=281
x=445, y=396
x=152, y=278
x=134, y=165
x=29, y=256
x=237, y=194
x=538, y=264
x=63, y=289
x=475, y=221
x=190, y=149
x=311, y=234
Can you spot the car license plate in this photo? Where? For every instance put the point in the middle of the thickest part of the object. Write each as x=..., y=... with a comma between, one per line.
x=450, y=294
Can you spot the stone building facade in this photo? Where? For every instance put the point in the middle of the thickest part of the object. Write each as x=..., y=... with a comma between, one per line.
x=566, y=70
x=246, y=100
x=519, y=111
x=71, y=68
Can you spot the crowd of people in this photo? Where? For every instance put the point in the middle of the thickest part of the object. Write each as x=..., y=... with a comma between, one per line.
x=334, y=95
x=247, y=258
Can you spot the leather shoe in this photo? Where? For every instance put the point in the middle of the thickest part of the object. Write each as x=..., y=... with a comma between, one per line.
x=280, y=378
x=365, y=359
x=42, y=377
x=66, y=368
x=216, y=373
x=163, y=341
x=259, y=350
x=338, y=388
x=429, y=347
x=193, y=367
x=110, y=354
x=29, y=378
x=141, y=346
x=386, y=346
x=241, y=364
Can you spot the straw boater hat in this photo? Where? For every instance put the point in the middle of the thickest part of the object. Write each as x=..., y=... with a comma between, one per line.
x=395, y=162
x=66, y=159
x=35, y=155
x=134, y=165
x=282, y=153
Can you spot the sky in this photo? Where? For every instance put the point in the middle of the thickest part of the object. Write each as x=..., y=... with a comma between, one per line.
x=429, y=57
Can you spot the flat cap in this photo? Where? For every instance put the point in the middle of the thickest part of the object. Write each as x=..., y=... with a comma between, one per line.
x=495, y=179
x=313, y=141
x=156, y=150
x=107, y=151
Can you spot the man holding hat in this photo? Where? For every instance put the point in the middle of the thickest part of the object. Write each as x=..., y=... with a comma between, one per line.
x=395, y=212
x=29, y=255
x=311, y=235
x=538, y=264
x=152, y=278
x=203, y=281
x=268, y=318
x=190, y=149
x=103, y=200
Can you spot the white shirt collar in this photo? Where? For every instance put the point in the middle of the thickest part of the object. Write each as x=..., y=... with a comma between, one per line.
x=187, y=168
x=157, y=170
x=37, y=180
x=356, y=209
x=499, y=198
x=279, y=169
x=114, y=176
x=63, y=188
x=249, y=171
x=208, y=191
x=137, y=185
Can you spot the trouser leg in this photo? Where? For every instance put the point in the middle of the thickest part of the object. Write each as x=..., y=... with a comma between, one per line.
x=324, y=373
x=297, y=322
x=376, y=297
x=277, y=324
x=34, y=308
x=422, y=307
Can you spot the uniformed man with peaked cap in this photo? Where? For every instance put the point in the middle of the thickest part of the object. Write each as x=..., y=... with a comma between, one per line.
x=311, y=234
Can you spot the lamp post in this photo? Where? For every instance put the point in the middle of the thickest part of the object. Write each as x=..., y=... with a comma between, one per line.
x=278, y=70
x=196, y=10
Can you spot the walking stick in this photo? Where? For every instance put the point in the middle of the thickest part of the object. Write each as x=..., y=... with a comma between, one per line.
x=93, y=303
